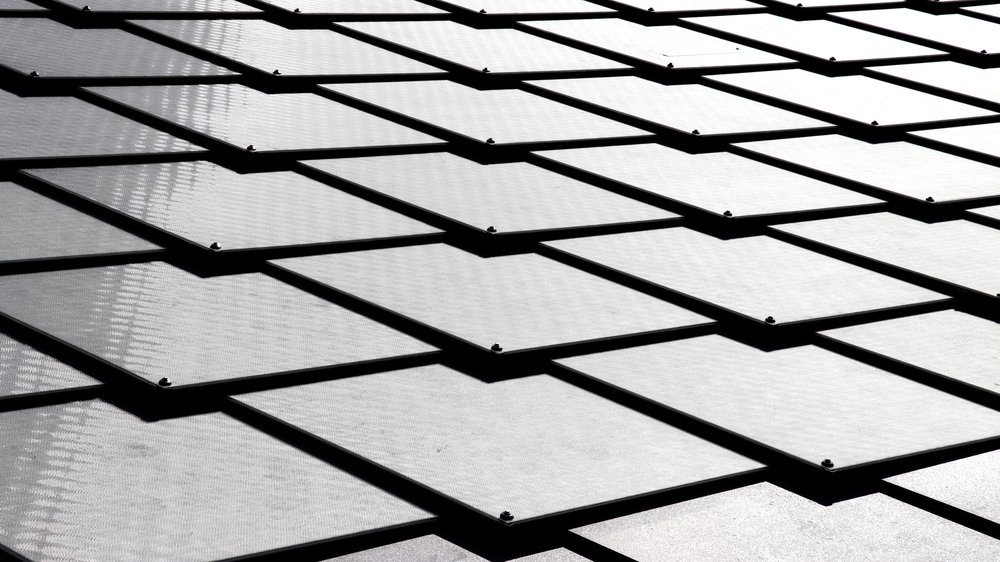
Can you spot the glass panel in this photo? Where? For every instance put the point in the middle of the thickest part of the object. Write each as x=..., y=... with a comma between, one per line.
x=955, y=30
x=206, y=203
x=989, y=212
x=755, y=276
x=959, y=252
x=298, y=51
x=739, y=185
x=86, y=480
x=950, y=343
x=507, y=116
x=511, y=197
x=835, y=3
x=899, y=167
x=977, y=138
x=242, y=116
x=161, y=5
x=690, y=5
x=428, y=548
x=557, y=555
x=35, y=227
x=18, y=5
x=991, y=10
x=805, y=401
x=764, y=522
x=40, y=127
x=24, y=370
x=500, y=50
x=858, y=98
x=815, y=38
x=983, y=83
x=969, y=484
x=512, y=7
x=371, y=7
x=159, y=321
x=660, y=45
x=515, y=445
x=519, y=301
x=683, y=107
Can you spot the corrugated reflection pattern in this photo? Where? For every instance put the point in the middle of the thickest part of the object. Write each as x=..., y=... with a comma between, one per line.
x=530, y=6
x=373, y=7
x=24, y=370
x=162, y=5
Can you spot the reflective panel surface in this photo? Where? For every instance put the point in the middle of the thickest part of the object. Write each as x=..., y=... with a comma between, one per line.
x=290, y=51
x=755, y=276
x=242, y=116
x=959, y=252
x=684, y=107
x=87, y=481
x=900, y=167
x=804, y=401
x=983, y=83
x=385, y=7
x=764, y=522
x=430, y=547
x=519, y=301
x=41, y=127
x=977, y=138
x=18, y=5
x=815, y=38
x=954, y=30
x=499, y=50
x=159, y=321
x=989, y=212
x=205, y=203
x=557, y=555
x=33, y=226
x=951, y=343
x=511, y=197
x=690, y=5
x=661, y=45
x=858, y=98
x=498, y=7
x=970, y=484
x=25, y=370
x=507, y=116
x=513, y=445
x=739, y=185
x=162, y=5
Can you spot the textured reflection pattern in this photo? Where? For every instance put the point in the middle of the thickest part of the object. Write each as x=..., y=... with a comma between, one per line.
x=86, y=481
x=384, y=7
x=500, y=50
x=557, y=555
x=982, y=83
x=33, y=226
x=159, y=321
x=764, y=522
x=977, y=138
x=689, y=5
x=858, y=98
x=953, y=30
x=242, y=116
x=899, y=167
x=970, y=484
x=830, y=406
x=53, y=49
x=24, y=370
x=299, y=51
x=520, y=301
x=18, y=5
x=494, y=7
x=205, y=203
x=739, y=185
x=661, y=45
x=756, y=276
x=431, y=548
x=39, y=127
x=507, y=116
x=162, y=5
x=510, y=197
x=513, y=446
x=684, y=107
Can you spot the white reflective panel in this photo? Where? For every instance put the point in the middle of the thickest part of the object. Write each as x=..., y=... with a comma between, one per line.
x=206, y=203
x=739, y=185
x=805, y=401
x=162, y=5
x=24, y=370
x=690, y=5
x=35, y=227
x=520, y=301
x=977, y=138
x=532, y=446
x=269, y=47
x=983, y=83
x=39, y=127
x=385, y=7
x=950, y=343
x=816, y=38
x=499, y=50
x=835, y=3
x=159, y=321
x=992, y=10
x=988, y=212
x=660, y=45
x=764, y=522
x=971, y=484
x=755, y=276
x=87, y=481
x=513, y=7
x=242, y=116
x=430, y=547
x=858, y=98
x=18, y=5
x=959, y=252
x=557, y=555
x=900, y=167
x=511, y=197
x=506, y=116
x=955, y=30
x=683, y=107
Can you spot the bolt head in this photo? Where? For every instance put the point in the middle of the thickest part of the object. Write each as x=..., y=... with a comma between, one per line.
x=833, y=59
x=486, y=70
x=650, y=9
x=482, y=11
x=874, y=123
x=670, y=65
x=506, y=516
x=929, y=199
x=770, y=320
x=495, y=348
x=983, y=52
x=34, y=74
x=85, y=9
x=491, y=229
x=296, y=11
x=827, y=463
x=490, y=141
x=696, y=132
x=251, y=148
x=215, y=246
x=276, y=72
x=727, y=213
x=164, y=382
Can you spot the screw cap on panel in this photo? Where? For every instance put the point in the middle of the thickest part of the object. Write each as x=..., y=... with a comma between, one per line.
x=164, y=382
x=506, y=516
x=496, y=348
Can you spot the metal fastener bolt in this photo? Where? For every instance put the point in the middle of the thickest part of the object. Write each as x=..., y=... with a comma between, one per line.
x=85, y=9
x=251, y=148
x=798, y=5
x=650, y=10
x=670, y=65
x=215, y=246
x=496, y=348
x=491, y=229
x=696, y=132
x=727, y=213
x=770, y=320
x=164, y=382
x=486, y=70
x=482, y=10
x=827, y=463
x=983, y=52
x=506, y=516
x=833, y=59
x=34, y=74
x=276, y=72
x=296, y=11
x=874, y=123
x=490, y=141
x=929, y=199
